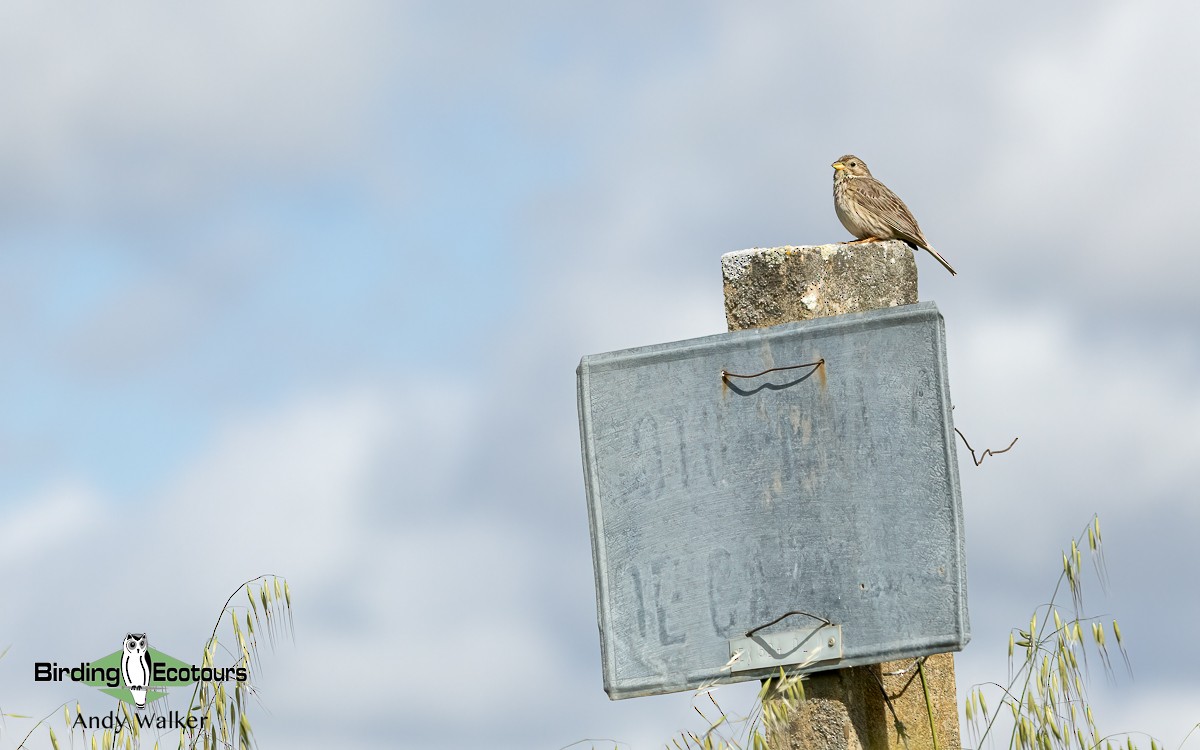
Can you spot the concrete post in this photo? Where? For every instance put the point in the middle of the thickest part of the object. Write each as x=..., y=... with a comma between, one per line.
x=845, y=709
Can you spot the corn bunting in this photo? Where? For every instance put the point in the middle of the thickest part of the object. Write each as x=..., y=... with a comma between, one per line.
x=870, y=211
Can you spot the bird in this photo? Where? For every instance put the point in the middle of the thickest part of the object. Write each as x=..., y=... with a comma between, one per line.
x=870, y=211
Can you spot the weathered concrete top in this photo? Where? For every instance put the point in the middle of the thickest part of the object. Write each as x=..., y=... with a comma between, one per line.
x=769, y=286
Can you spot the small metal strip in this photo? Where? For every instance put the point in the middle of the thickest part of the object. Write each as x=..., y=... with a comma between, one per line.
x=790, y=648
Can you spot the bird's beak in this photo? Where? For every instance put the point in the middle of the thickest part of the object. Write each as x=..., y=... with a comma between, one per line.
x=838, y=166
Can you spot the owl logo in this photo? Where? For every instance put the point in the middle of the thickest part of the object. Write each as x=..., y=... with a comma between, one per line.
x=135, y=666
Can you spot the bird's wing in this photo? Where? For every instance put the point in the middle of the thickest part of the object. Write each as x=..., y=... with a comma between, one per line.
x=875, y=197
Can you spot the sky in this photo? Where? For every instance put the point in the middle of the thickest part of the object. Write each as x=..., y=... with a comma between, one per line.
x=300, y=288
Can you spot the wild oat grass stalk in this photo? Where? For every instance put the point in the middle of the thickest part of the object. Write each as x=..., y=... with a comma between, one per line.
x=769, y=715
x=1044, y=705
x=228, y=726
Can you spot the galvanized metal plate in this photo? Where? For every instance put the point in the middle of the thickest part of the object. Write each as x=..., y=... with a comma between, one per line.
x=793, y=649
x=716, y=506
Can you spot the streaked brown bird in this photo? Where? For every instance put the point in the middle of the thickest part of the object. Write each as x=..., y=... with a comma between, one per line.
x=870, y=211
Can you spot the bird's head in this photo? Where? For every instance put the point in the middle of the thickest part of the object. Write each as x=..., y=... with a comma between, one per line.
x=851, y=166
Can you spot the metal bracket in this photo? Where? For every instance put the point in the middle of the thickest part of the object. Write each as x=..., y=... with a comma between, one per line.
x=790, y=648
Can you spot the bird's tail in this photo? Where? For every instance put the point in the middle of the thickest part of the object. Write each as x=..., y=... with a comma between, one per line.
x=941, y=260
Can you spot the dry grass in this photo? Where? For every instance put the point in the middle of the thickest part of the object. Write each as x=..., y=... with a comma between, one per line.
x=1044, y=704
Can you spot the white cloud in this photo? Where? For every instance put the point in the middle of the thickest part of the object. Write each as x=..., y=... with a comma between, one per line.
x=1166, y=712
x=143, y=106
x=1077, y=404
x=1087, y=175
x=288, y=490
x=288, y=483
x=47, y=524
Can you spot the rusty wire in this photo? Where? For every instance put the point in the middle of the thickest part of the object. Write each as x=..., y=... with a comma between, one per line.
x=725, y=375
x=783, y=617
x=988, y=452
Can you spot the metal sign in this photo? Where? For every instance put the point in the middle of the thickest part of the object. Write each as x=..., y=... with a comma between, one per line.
x=800, y=477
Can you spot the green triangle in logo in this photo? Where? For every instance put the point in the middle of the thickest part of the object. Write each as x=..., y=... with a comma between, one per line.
x=104, y=669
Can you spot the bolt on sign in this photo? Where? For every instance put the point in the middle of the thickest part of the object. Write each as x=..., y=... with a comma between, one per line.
x=775, y=497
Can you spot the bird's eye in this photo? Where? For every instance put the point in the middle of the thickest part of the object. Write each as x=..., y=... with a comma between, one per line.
x=854, y=164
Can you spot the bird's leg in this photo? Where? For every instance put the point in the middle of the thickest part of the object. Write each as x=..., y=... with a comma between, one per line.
x=864, y=239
